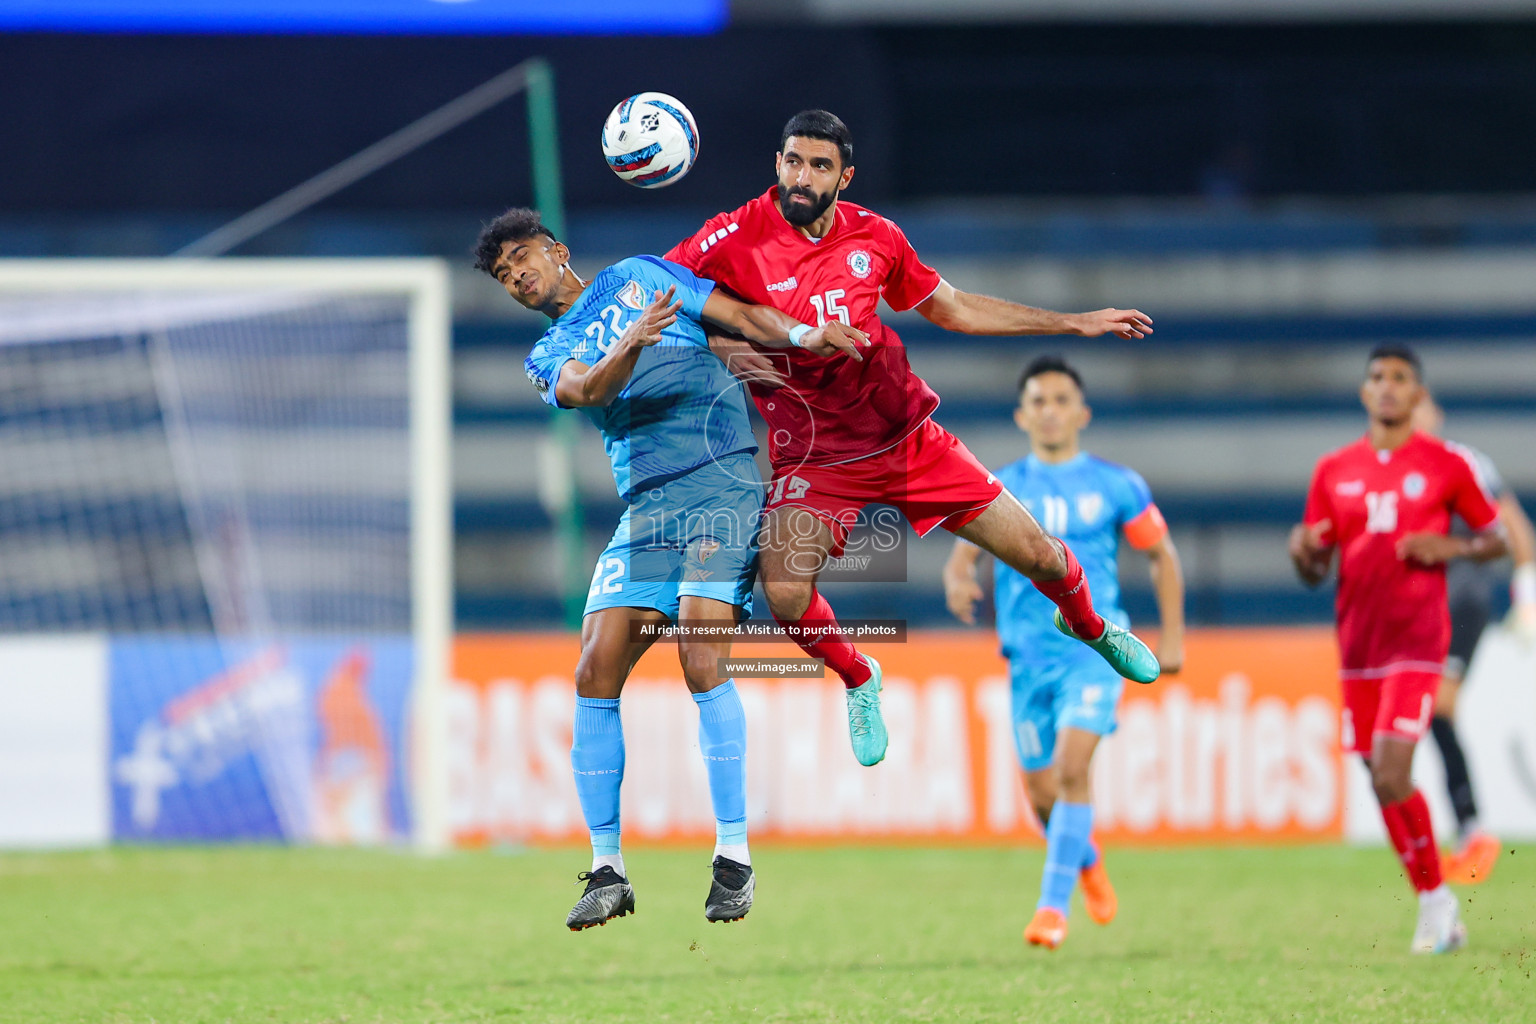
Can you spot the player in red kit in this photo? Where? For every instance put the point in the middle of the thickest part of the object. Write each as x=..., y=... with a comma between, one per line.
x=1384, y=503
x=843, y=436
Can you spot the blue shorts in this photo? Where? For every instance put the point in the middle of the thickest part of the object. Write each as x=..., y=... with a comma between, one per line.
x=1075, y=690
x=693, y=536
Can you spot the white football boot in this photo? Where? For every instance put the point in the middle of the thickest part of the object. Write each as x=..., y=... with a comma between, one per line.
x=1440, y=929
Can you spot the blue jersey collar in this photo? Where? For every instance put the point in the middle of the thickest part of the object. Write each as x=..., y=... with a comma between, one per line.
x=1035, y=462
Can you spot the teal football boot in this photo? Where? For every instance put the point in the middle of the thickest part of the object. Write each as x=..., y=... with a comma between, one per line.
x=866, y=727
x=1123, y=650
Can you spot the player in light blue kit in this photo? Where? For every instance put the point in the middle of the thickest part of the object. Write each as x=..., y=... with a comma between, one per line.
x=1064, y=695
x=629, y=350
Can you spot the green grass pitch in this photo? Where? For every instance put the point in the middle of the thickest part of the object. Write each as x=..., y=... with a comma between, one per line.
x=844, y=934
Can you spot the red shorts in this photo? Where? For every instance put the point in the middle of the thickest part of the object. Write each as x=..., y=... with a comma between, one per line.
x=1399, y=705
x=930, y=476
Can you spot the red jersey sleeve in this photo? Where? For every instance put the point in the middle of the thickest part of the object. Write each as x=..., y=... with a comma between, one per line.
x=1469, y=495
x=695, y=251
x=1320, y=504
x=910, y=280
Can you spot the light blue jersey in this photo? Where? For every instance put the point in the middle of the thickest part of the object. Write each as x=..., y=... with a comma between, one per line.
x=681, y=408
x=1056, y=681
x=679, y=441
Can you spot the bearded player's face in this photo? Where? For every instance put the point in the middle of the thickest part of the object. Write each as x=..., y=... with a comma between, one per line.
x=1391, y=390
x=811, y=174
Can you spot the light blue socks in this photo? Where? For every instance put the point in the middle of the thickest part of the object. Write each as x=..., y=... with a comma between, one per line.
x=1067, y=847
x=597, y=760
x=723, y=742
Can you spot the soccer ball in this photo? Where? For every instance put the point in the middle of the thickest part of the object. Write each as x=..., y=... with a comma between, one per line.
x=650, y=140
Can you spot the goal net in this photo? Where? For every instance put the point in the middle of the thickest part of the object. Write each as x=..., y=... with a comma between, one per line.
x=230, y=478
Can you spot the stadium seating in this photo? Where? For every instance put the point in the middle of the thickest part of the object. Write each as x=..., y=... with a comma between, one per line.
x=1223, y=411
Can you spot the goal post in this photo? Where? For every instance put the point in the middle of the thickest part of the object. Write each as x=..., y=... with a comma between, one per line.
x=234, y=476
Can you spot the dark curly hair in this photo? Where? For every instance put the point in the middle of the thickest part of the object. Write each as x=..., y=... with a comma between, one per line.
x=516, y=225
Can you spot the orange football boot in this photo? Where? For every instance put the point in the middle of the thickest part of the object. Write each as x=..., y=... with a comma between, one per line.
x=1048, y=929
x=1098, y=895
x=1474, y=861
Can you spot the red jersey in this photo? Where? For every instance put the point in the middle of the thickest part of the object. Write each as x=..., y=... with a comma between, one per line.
x=833, y=409
x=1392, y=613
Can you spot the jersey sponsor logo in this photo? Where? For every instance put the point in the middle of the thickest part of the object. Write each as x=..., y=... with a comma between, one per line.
x=716, y=236
x=784, y=286
x=540, y=383
x=1089, y=505
x=860, y=263
x=632, y=295
x=1350, y=489
x=1413, y=485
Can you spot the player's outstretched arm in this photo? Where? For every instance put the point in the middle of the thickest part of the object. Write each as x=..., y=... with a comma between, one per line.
x=1168, y=589
x=598, y=384
x=1522, y=550
x=771, y=328
x=1311, y=557
x=962, y=591
x=969, y=313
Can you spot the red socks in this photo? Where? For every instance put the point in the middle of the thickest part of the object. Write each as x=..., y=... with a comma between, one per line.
x=1413, y=837
x=1070, y=594
x=839, y=654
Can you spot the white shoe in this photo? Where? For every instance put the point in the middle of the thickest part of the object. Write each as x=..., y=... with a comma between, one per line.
x=1440, y=929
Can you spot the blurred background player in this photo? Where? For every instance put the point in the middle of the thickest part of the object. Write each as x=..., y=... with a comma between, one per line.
x=1063, y=696
x=1470, y=586
x=841, y=437
x=629, y=350
x=1385, y=504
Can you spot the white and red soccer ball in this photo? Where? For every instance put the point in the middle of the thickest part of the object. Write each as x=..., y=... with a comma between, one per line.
x=650, y=140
